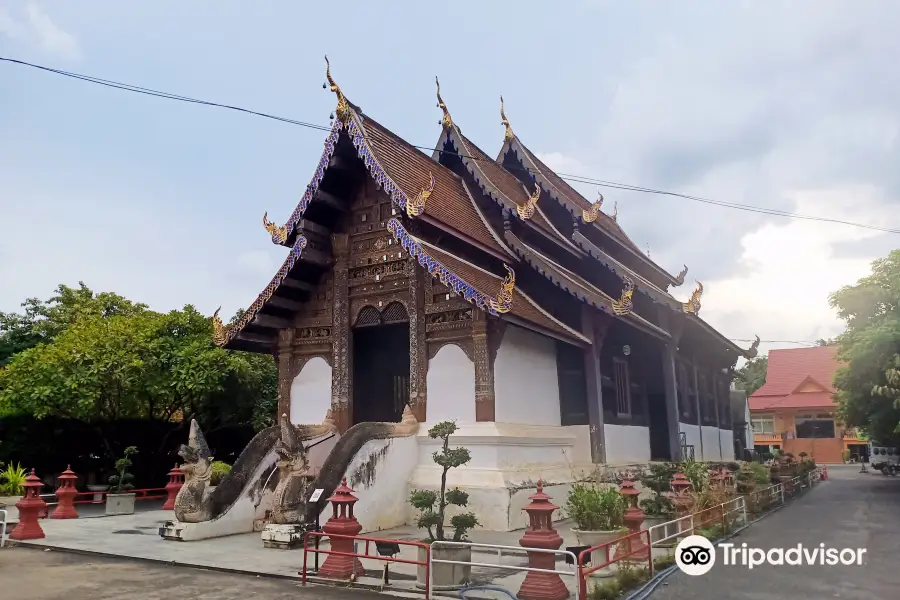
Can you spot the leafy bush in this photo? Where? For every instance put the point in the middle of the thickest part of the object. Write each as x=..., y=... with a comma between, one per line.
x=432, y=505
x=658, y=479
x=121, y=481
x=628, y=577
x=697, y=473
x=219, y=471
x=595, y=509
x=663, y=562
x=13, y=478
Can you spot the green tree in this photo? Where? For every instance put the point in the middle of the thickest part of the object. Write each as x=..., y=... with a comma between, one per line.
x=869, y=385
x=752, y=375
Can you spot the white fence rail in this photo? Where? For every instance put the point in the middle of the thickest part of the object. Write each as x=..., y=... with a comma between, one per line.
x=3, y=532
x=498, y=565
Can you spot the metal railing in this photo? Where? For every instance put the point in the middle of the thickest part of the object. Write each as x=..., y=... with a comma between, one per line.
x=497, y=565
x=720, y=514
x=3, y=533
x=100, y=497
x=368, y=540
x=628, y=548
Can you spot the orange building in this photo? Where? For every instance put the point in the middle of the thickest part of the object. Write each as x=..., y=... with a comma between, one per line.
x=795, y=411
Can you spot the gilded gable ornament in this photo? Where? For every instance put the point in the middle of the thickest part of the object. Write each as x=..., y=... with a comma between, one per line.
x=680, y=279
x=446, y=121
x=279, y=234
x=753, y=350
x=343, y=107
x=692, y=306
x=526, y=211
x=624, y=306
x=503, y=303
x=590, y=215
x=416, y=206
x=220, y=330
x=508, y=135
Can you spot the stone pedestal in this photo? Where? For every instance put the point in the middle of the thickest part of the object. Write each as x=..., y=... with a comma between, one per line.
x=282, y=537
x=65, y=509
x=176, y=481
x=541, y=534
x=342, y=523
x=30, y=506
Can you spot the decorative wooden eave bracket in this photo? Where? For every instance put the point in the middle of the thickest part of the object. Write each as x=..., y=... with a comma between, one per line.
x=416, y=206
x=692, y=306
x=624, y=305
x=495, y=306
x=527, y=210
x=753, y=351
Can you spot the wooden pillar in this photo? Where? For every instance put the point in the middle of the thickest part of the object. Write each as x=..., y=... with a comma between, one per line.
x=284, y=359
x=340, y=336
x=418, y=352
x=484, y=368
x=697, y=406
x=673, y=324
x=595, y=324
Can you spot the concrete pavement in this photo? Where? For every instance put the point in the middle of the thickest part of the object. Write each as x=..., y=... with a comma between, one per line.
x=851, y=510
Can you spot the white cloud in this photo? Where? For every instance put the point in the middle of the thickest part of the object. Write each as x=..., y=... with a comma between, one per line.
x=36, y=28
x=786, y=272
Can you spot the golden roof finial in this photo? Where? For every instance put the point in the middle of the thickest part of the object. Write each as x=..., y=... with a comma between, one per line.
x=446, y=121
x=220, y=331
x=509, y=132
x=416, y=206
x=680, y=279
x=693, y=304
x=753, y=350
x=526, y=211
x=343, y=107
x=589, y=216
x=279, y=234
x=624, y=305
x=615, y=213
x=504, y=300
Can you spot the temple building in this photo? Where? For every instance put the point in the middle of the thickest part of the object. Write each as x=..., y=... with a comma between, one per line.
x=490, y=292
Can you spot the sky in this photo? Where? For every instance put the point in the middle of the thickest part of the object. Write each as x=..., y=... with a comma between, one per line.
x=786, y=105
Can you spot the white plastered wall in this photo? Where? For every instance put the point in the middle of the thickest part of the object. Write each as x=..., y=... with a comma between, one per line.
x=451, y=386
x=526, y=385
x=626, y=444
x=727, y=444
x=692, y=437
x=711, y=443
x=311, y=392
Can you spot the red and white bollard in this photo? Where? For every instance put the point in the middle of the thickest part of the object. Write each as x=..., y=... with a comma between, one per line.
x=66, y=492
x=176, y=482
x=30, y=506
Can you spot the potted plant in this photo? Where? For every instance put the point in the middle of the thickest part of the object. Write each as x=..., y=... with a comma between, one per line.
x=118, y=500
x=599, y=514
x=432, y=507
x=12, y=488
x=658, y=507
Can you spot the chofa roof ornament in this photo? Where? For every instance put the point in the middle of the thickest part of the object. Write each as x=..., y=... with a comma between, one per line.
x=503, y=303
x=680, y=279
x=624, y=306
x=508, y=135
x=343, y=107
x=692, y=306
x=220, y=330
x=753, y=350
x=279, y=234
x=446, y=121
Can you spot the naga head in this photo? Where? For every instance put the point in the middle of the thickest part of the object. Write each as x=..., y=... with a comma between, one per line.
x=290, y=449
x=196, y=455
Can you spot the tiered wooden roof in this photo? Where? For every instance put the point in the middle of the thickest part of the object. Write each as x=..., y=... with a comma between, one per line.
x=422, y=188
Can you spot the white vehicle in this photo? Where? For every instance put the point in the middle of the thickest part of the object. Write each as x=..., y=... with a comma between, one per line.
x=884, y=458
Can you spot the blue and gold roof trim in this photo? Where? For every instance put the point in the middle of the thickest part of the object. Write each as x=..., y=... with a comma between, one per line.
x=222, y=334
x=495, y=306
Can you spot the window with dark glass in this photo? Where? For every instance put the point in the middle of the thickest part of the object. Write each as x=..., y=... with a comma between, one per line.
x=570, y=370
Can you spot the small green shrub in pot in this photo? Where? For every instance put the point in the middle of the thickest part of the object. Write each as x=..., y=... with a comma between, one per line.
x=119, y=501
x=599, y=514
x=219, y=471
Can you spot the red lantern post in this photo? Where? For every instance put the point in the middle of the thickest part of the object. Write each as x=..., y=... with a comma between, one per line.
x=681, y=498
x=30, y=506
x=176, y=481
x=342, y=522
x=65, y=509
x=541, y=534
x=632, y=548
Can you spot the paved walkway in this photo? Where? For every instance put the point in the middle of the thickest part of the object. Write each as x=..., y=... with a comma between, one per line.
x=851, y=510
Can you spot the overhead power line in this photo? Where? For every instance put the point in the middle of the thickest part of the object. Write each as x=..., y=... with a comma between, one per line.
x=568, y=177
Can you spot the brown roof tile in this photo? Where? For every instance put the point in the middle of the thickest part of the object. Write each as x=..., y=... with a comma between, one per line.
x=523, y=306
x=449, y=203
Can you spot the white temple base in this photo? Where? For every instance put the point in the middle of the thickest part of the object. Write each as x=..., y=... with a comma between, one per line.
x=282, y=537
x=190, y=532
